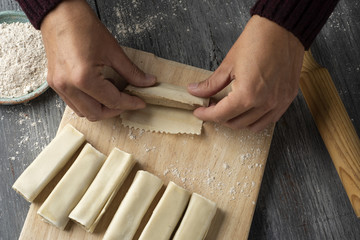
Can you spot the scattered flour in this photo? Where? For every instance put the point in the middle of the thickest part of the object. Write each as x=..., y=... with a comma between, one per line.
x=139, y=23
x=226, y=166
x=131, y=135
x=214, y=180
x=148, y=149
x=166, y=172
x=23, y=64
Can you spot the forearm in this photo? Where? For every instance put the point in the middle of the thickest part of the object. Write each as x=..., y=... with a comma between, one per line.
x=36, y=10
x=303, y=18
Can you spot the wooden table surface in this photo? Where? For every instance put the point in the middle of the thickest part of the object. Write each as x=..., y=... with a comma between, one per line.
x=301, y=196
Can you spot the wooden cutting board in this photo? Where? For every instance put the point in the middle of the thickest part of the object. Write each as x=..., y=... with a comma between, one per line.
x=223, y=165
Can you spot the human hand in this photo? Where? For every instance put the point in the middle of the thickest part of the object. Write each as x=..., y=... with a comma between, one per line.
x=263, y=67
x=78, y=46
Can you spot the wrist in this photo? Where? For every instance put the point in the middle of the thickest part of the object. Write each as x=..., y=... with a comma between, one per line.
x=273, y=35
x=68, y=11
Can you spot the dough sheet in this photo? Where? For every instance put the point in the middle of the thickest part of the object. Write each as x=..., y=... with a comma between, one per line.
x=169, y=95
x=169, y=110
x=162, y=119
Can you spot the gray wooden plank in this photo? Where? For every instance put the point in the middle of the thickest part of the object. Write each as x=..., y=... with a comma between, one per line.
x=337, y=48
x=173, y=29
x=301, y=195
x=25, y=129
x=9, y=5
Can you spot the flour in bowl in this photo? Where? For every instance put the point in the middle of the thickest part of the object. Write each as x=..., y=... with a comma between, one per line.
x=23, y=64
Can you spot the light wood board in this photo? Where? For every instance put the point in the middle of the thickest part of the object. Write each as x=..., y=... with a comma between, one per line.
x=223, y=165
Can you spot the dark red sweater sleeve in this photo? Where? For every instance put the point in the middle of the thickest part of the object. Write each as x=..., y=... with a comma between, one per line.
x=304, y=18
x=36, y=10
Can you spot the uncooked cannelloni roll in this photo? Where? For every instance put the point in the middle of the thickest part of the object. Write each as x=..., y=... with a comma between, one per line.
x=166, y=94
x=197, y=219
x=167, y=213
x=102, y=190
x=133, y=207
x=49, y=162
x=71, y=187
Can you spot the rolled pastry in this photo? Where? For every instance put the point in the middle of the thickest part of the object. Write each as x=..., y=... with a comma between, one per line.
x=169, y=95
x=167, y=213
x=49, y=162
x=163, y=119
x=71, y=187
x=197, y=219
x=102, y=190
x=133, y=207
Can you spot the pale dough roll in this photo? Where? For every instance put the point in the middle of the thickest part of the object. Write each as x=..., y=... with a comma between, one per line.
x=162, y=119
x=133, y=207
x=169, y=110
x=71, y=187
x=49, y=162
x=167, y=213
x=169, y=95
x=197, y=219
x=102, y=190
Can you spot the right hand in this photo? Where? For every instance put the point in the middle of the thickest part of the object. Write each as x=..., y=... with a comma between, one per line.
x=263, y=68
x=78, y=46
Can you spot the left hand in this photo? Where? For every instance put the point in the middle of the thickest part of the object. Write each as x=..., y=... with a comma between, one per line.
x=263, y=67
x=78, y=47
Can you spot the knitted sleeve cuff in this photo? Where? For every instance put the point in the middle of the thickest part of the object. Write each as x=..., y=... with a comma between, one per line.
x=304, y=18
x=36, y=10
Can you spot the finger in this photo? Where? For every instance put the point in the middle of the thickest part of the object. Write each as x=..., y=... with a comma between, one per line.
x=247, y=118
x=269, y=117
x=228, y=108
x=209, y=87
x=71, y=105
x=263, y=122
x=91, y=108
x=127, y=69
x=107, y=94
x=68, y=102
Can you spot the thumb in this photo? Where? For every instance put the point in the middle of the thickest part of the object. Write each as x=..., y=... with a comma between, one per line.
x=128, y=70
x=212, y=85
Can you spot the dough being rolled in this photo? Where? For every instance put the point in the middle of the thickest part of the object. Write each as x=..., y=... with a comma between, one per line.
x=167, y=213
x=197, y=219
x=71, y=187
x=169, y=110
x=103, y=189
x=49, y=162
x=163, y=119
x=133, y=207
x=169, y=95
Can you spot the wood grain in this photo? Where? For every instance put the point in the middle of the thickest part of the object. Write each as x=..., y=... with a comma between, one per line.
x=334, y=125
x=223, y=165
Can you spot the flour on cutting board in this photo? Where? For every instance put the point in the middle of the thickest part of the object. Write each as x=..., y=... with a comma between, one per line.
x=220, y=181
x=239, y=189
x=223, y=179
x=23, y=65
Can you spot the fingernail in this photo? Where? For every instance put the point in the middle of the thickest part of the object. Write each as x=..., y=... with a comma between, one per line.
x=197, y=112
x=193, y=85
x=150, y=77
